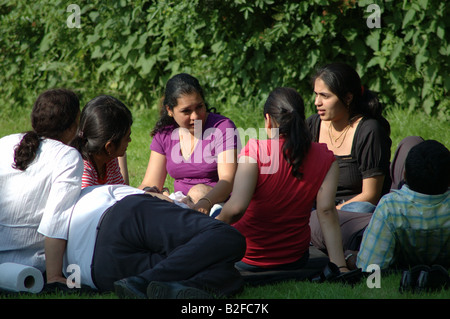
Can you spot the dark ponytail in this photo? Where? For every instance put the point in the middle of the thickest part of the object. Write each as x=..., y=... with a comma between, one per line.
x=54, y=112
x=26, y=151
x=342, y=79
x=286, y=107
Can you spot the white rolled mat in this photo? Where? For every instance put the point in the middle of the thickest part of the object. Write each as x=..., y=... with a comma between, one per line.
x=17, y=278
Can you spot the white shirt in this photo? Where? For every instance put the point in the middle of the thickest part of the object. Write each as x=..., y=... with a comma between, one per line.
x=93, y=202
x=36, y=202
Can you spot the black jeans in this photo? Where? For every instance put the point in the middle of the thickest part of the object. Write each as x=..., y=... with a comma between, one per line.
x=159, y=241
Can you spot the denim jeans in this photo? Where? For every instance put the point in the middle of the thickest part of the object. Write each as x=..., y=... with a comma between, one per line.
x=359, y=207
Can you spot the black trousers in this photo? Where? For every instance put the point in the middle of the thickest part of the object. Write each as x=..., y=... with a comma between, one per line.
x=159, y=241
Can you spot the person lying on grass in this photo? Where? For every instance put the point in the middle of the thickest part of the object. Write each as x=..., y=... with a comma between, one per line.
x=142, y=245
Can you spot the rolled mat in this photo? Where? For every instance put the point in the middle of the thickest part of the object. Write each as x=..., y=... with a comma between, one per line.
x=20, y=278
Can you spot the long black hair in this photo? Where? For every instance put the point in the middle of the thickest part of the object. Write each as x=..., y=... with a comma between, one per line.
x=103, y=119
x=286, y=107
x=54, y=112
x=342, y=79
x=178, y=85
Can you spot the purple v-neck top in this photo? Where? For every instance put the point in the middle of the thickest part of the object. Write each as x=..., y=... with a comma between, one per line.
x=218, y=135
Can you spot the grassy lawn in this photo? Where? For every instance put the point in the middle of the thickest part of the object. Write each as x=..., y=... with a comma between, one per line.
x=403, y=123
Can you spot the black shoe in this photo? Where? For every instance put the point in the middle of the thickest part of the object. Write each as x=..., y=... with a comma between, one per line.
x=173, y=290
x=435, y=279
x=131, y=288
x=329, y=273
x=411, y=278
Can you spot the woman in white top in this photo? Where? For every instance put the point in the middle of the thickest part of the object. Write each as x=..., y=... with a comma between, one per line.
x=40, y=181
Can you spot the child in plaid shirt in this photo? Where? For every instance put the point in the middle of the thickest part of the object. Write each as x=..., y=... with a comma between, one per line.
x=411, y=226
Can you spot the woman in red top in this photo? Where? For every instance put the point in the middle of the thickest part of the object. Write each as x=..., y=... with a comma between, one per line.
x=276, y=184
x=102, y=139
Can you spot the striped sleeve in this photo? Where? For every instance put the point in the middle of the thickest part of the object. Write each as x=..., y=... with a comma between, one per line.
x=114, y=176
x=89, y=177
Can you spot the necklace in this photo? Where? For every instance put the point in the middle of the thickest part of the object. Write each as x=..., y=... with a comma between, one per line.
x=187, y=144
x=343, y=133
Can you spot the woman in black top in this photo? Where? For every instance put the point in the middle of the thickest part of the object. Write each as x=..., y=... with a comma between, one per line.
x=349, y=121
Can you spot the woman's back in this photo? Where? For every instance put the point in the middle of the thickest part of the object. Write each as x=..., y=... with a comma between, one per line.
x=30, y=197
x=276, y=222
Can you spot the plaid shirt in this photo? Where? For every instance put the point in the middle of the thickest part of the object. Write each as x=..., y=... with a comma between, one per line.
x=407, y=228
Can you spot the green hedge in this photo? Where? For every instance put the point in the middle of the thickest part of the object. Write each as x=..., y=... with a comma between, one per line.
x=240, y=50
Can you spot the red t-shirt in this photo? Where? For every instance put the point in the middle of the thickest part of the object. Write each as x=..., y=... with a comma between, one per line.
x=113, y=174
x=276, y=222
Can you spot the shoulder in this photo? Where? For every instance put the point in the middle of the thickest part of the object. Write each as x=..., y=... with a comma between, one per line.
x=321, y=149
x=88, y=167
x=252, y=147
x=313, y=124
x=11, y=140
x=313, y=120
x=60, y=151
x=12, y=137
x=165, y=131
x=163, y=137
x=219, y=121
x=370, y=128
x=320, y=155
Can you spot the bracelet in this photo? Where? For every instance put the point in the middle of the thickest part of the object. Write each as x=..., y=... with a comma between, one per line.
x=165, y=189
x=342, y=267
x=348, y=256
x=206, y=198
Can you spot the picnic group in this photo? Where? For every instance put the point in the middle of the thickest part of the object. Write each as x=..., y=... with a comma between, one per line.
x=319, y=198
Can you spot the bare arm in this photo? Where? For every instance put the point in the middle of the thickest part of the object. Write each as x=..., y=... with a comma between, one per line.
x=156, y=171
x=124, y=168
x=371, y=191
x=54, y=252
x=243, y=190
x=226, y=169
x=328, y=217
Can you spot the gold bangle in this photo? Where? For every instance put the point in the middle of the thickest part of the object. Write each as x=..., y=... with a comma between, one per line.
x=206, y=198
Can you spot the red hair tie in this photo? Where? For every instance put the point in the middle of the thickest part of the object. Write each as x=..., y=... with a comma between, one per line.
x=362, y=89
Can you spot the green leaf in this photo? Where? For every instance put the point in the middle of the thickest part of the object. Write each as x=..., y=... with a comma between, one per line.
x=440, y=32
x=398, y=49
x=428, y=104
x=373, y=40
x=46, y=42
x=408, y=17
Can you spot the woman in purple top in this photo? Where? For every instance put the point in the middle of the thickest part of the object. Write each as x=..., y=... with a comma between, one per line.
x=192, y=144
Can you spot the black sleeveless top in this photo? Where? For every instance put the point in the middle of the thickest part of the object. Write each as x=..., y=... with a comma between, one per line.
x=370, y=156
